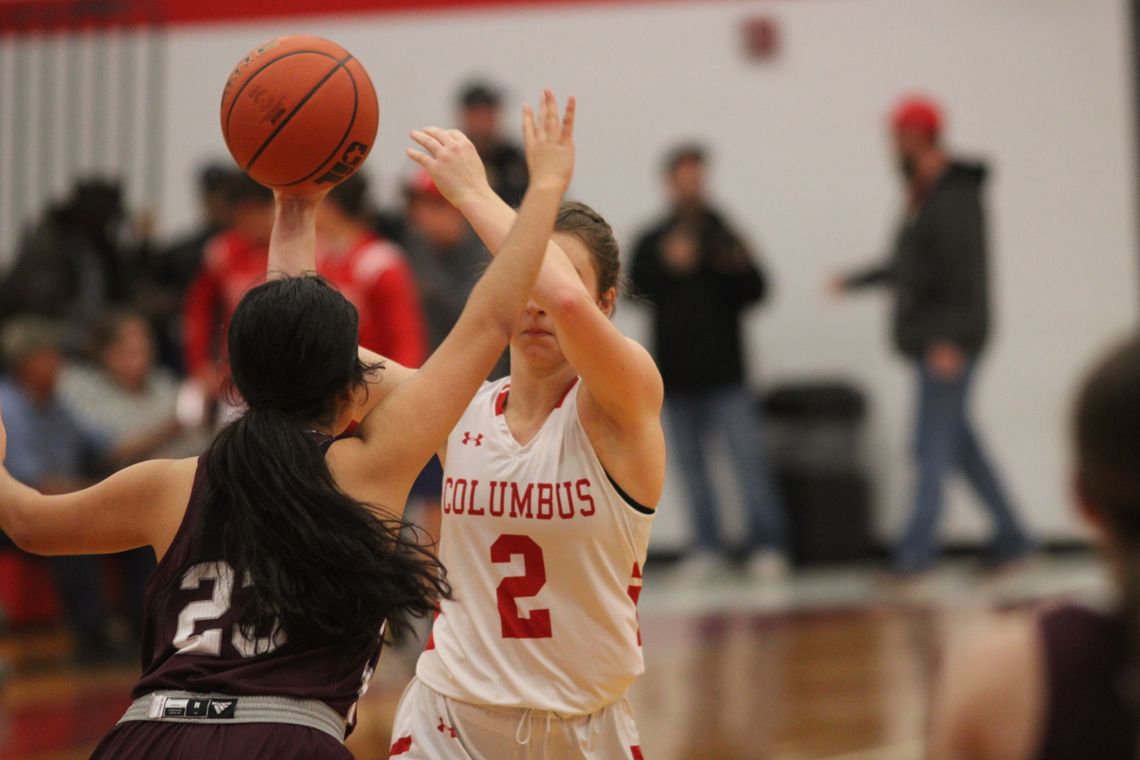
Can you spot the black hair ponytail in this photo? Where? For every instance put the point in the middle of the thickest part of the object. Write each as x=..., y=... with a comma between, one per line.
x=319, y=565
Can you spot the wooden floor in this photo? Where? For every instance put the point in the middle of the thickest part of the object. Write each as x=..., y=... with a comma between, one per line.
x=832, y=665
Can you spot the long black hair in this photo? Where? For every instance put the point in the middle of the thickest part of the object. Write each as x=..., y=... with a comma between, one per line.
x=320, y=566
x=1107, y=432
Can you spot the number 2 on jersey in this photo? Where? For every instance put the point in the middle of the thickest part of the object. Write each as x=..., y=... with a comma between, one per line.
x=514, y=626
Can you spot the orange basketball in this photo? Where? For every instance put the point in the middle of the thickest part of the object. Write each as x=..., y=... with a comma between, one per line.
x=300, y=113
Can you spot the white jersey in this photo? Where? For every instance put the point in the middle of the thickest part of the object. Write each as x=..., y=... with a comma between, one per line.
x=545, y=556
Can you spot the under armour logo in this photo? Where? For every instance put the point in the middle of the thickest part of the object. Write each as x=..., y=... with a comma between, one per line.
x=220, y=707
x=444, y=728
x=476, y=439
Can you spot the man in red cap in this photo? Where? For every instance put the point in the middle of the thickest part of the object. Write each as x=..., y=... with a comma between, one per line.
x=937, y=274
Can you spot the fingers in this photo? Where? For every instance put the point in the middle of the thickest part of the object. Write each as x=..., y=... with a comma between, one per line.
x=568, y=119
x=529, y=129
x=543, y=113
x=442, y=135
x=426, y=141
x=550, y=115
x=418, y=157
x=548, y=126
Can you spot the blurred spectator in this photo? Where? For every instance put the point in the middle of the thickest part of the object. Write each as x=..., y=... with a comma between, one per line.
x=447, y=259
x=937, y=274
x=234, y=260
x=49, y=450
x=371, y=273
x=699, y=277
x=124, y=397
x=445, y=255
x=74, y=263
x=173, y=269
x=479, y=104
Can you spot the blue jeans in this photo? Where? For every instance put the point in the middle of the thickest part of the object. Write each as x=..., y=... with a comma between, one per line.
x=945, y=442
x=730, y=410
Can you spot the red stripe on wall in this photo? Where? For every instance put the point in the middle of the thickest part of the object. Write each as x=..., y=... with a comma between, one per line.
x=30, y=16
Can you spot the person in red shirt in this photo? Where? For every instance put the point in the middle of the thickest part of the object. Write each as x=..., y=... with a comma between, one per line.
x=372, y=273
x=234, y=261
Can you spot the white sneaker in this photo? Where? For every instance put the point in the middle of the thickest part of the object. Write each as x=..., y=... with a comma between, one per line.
x=768, y=566
x=699, y=567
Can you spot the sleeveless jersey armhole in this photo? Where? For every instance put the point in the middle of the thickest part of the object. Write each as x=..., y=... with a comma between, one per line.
x=178, y=544
x=629, y=500
x=632, y=502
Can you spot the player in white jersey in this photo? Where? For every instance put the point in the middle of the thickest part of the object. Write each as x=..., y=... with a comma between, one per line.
x=550, y=479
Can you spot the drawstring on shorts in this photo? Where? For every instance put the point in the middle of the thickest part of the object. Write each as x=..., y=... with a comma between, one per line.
x=525, y=721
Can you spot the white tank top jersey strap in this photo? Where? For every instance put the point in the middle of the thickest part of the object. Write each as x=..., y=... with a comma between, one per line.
x=545, y=555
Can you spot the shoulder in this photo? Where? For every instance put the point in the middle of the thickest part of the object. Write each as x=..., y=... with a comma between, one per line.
x=162, y=380
x=715, y=218
x=991, y=680
x=965, y=179
x=162, y=471
x=376, y=257
x=79, y=378
x=652, y=232
x=998, y=648
x=218, y=250
x=81, y=388
x=169, y=484
x=490, y=390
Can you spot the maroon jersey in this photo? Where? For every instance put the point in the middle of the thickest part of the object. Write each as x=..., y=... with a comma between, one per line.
x=191, y=641
x=1088, y=711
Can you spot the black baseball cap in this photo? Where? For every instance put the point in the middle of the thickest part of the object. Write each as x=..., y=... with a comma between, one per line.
x=476, y=94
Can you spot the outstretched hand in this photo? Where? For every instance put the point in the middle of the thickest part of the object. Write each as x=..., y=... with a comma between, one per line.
x=452, y=161
x=549, y=142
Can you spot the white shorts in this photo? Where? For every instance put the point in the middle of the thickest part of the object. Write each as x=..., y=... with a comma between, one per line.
x=430, y=726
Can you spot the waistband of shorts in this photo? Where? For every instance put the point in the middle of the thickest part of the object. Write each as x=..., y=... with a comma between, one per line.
x=513, y=710
x=220, y=709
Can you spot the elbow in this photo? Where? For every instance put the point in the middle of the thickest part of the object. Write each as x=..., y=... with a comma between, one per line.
x=500, y=325
x=569, y=302
x=20, y=530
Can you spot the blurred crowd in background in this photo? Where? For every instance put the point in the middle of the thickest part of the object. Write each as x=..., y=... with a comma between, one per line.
x=113, y=342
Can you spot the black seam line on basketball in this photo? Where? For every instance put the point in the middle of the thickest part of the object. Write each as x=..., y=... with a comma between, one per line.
x=339, y=145
x=296, y=108
x=251, y=77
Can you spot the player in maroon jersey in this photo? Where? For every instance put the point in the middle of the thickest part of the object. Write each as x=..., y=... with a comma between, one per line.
x=280, y=554
x=1063, y=683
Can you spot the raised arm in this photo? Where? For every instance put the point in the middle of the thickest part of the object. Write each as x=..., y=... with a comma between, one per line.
x=399, y=436
x=293, y=253
x=293, y=243
x=139, y=506
x=618, y=373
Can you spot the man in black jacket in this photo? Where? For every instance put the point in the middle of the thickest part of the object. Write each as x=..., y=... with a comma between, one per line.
x=699, y=277
x=938, y=277
x=479, y=108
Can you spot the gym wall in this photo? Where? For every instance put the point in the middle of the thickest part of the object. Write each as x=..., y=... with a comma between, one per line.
x=1041, y=89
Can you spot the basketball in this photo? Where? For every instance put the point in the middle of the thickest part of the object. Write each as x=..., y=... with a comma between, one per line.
x=300, y=113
